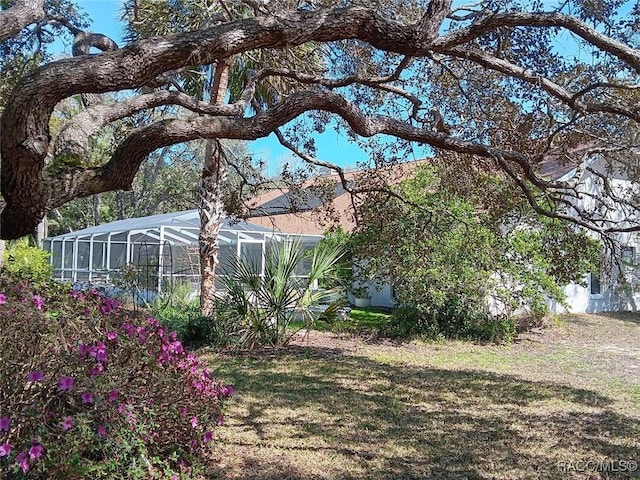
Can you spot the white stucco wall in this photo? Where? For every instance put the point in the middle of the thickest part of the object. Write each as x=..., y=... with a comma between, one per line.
x=612, y=298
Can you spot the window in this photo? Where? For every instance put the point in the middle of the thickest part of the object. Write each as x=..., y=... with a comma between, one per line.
x=594, y=282
x=251, y=256
x=628, y=256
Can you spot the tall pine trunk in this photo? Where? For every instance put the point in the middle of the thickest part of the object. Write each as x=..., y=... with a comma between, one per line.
x=211, y=207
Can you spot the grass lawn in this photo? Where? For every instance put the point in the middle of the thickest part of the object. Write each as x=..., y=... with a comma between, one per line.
x=366, y=320
x=341, y=407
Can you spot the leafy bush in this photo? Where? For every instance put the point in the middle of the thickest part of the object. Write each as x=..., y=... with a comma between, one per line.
x=90, y=391
x=454, y=252
x=23, y=261
x=192, y=327
x=452, y=320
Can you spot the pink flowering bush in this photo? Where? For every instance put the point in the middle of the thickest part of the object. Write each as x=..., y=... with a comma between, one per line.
x=88, y=390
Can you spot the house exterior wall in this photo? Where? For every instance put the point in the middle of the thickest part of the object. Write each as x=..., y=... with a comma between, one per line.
x=604, y=292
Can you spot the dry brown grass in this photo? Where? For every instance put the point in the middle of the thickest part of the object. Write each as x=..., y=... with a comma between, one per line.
x=344, y=408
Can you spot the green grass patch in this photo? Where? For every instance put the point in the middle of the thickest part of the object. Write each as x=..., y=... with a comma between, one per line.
x=370, y=319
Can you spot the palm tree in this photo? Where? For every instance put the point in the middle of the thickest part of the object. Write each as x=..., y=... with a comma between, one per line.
x=262, y=307
x=222, y=82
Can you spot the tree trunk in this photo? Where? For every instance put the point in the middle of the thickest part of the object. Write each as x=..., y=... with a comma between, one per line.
x=211, y=207
x=96, y=210
x=211, y=215
x=41, y=232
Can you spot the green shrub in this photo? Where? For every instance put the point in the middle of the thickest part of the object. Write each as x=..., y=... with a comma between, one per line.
x=259, y=309
x=452, y=320
x=90, y=391
x=23, y=261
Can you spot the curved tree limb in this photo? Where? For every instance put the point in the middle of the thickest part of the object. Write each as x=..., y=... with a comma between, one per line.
x=570, y=99
x=25, y=136
x=119, y=172
x=629, y=55
x=73, y=139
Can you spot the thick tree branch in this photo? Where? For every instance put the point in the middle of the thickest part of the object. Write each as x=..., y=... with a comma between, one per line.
x=570, y=99
x=119, y=172
x=23, y=13
x=73, y=139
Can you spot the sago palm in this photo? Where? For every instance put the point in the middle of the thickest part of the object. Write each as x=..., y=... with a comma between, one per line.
x=264, y=306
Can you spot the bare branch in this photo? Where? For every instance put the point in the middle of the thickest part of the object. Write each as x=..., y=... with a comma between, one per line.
x=494, y=21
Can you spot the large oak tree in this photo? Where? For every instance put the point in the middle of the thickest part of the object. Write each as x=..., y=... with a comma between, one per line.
x=512, y=84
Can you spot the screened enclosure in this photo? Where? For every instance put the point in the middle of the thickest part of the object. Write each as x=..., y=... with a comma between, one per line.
x=160, y=249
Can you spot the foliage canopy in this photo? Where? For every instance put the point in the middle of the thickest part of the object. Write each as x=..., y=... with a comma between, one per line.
x=492, y=80
x=450, y=247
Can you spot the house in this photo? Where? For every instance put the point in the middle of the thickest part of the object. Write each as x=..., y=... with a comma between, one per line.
x=611, y=289
x=301, y=211
x=308, y=209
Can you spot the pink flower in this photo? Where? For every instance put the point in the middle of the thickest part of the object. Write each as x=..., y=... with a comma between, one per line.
x=23, y=461
x=3, y=299
x=35, y=451
x=113, y=396
x=5, y=424
x=227, y=390
x=87, y=397
x=112, y=336
x=36, y=376
x=101, y=430
x=128, y=328
x=38, y=302
x=220, y=420
x=97, y=370
x=109, y=305
x=83, y=349
x=153, y=322
x=207, y=437
x=194, y=422
x=66, y=383
x=67, y=423
x=99, y=352
x=5, y=450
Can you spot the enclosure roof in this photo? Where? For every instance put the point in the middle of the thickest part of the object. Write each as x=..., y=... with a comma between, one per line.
x=189, y=219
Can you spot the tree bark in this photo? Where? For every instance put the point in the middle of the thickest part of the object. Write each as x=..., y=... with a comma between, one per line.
x=211, y=211
x=96, y=209
x=23, y=13
x=41, y=232
x=211, y=207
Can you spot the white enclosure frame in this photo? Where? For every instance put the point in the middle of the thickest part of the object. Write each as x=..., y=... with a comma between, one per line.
x=114, y=245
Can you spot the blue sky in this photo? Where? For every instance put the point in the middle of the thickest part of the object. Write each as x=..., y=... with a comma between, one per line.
x=330, y=146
